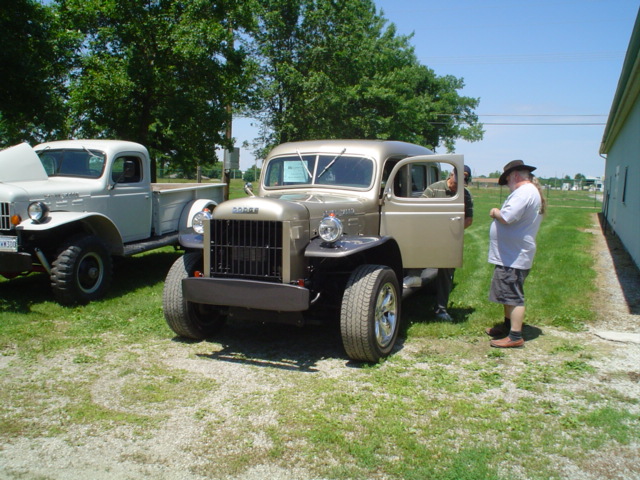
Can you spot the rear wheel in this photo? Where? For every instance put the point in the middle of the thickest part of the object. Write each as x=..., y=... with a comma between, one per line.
x=187, y=319
x=370, y=313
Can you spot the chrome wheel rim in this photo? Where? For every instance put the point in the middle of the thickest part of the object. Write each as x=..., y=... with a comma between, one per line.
x=386, y=315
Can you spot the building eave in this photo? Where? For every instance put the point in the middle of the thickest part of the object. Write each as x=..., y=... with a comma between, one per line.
x=627, y=91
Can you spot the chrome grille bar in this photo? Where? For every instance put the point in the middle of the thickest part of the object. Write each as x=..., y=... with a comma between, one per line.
x=249, y=249
x=5, y=216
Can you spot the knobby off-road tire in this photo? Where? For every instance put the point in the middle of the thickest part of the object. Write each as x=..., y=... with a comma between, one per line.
x=82, y=271
x=370, y=313
x=187, y=319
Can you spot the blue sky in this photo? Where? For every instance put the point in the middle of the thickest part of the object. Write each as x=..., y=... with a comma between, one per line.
x=541, y=62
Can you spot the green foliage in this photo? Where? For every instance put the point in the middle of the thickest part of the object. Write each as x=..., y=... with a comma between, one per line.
x=168, y=75
x=34, y=58
x=332, y=70
x=251, y=175
x=159, y=73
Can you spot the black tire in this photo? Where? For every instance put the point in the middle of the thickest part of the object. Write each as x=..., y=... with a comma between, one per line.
x=187, y=319
x=82, y=271
x=370, y=313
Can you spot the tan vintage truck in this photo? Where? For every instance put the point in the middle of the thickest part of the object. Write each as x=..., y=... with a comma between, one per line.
x=332, y=231
x=68, y=207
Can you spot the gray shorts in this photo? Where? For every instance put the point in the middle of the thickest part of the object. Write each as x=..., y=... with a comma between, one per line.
x=507, y=286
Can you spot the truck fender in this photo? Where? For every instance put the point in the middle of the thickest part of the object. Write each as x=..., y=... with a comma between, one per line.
x=192, y=208
x=376, y=250
x=95, y=223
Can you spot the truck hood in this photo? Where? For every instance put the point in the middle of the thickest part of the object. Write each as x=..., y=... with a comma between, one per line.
x=48, y=190
x=292, y=206
x=320, y=205
x=19, y=164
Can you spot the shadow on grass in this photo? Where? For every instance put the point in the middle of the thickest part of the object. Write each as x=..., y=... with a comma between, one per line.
x=129, y=274
x=142, y=271
x=19, y=294
x=281, y=346
x=626, y=270
x=419, y=307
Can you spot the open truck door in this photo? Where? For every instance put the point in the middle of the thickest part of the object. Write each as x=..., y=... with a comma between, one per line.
x=432, y=229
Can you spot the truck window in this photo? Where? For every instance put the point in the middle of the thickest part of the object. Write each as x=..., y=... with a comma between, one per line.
x=386, y=171
x=413, y=180
x=418, y=179
x=319, y=169
x=72, y=163
x=126, y=170
x=445, y=187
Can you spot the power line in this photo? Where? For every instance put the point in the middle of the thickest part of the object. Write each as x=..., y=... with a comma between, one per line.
x=535, y=115
x=552, y=124
x=533, y=58
x=545, y=124
x=525, y=115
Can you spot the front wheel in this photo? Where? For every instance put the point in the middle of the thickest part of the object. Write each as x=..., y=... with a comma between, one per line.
x=190, y=320
x=82, y=271
x=370, y=313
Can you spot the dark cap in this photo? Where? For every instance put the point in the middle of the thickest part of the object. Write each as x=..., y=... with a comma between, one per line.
x=467, y=174
x=510, y=167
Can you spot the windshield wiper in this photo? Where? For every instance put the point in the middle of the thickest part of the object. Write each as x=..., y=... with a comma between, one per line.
x=304, y=164
x=331, y=162
x=90, y=152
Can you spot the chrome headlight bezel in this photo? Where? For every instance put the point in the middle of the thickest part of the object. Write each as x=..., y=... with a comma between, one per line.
x=330, y=229
x=197, y=222
x=38, y=211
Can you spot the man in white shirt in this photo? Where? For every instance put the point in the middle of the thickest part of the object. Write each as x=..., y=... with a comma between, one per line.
x=512, y=247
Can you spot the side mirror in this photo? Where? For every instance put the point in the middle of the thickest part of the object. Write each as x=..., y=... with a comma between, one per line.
x=129, y=170
x=248, y=189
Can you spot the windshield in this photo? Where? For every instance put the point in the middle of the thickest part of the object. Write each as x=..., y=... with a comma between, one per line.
x=337, y=170
x=72, y=163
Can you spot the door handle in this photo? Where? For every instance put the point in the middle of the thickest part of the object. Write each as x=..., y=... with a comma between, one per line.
x=455, y=219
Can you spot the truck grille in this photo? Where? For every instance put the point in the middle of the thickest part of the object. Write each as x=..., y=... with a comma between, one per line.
x=5, y=217
x=247, y=249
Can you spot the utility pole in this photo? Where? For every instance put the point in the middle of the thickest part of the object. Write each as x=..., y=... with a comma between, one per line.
x=229, y=137
x=227, y=156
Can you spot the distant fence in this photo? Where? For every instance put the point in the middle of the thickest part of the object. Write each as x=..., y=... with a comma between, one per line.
x=554, y=197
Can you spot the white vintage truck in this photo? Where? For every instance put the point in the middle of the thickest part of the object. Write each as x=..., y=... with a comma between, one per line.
x=68, y=207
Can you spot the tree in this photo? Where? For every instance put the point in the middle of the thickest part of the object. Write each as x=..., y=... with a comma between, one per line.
x=251, y=174
x=330, y=69
x=159, y=72
x=34, y=63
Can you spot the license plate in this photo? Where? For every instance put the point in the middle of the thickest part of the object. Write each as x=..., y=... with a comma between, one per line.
x=8, y=244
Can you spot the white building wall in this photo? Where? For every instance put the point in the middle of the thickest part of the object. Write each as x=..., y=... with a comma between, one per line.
x=623, y=163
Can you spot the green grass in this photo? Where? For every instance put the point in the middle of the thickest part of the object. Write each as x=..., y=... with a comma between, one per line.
x=563, y=264
x=444, y=407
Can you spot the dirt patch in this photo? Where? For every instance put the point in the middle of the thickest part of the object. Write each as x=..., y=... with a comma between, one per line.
x=617, y=300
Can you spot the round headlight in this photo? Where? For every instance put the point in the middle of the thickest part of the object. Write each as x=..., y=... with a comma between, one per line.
x=330, y=228
x=38, y=211
x=198, y=220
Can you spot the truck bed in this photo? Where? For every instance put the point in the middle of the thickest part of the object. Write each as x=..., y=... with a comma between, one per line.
x=169, y=200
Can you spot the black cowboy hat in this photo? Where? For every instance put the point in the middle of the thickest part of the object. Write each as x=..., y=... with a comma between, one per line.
x=510, y=167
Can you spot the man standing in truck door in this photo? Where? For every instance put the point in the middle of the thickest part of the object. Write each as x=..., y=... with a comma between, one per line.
x=512, y=246
x=444, y=279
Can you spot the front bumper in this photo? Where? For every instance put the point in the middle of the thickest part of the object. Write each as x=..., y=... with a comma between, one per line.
x=15, y=262
x=246, y=293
